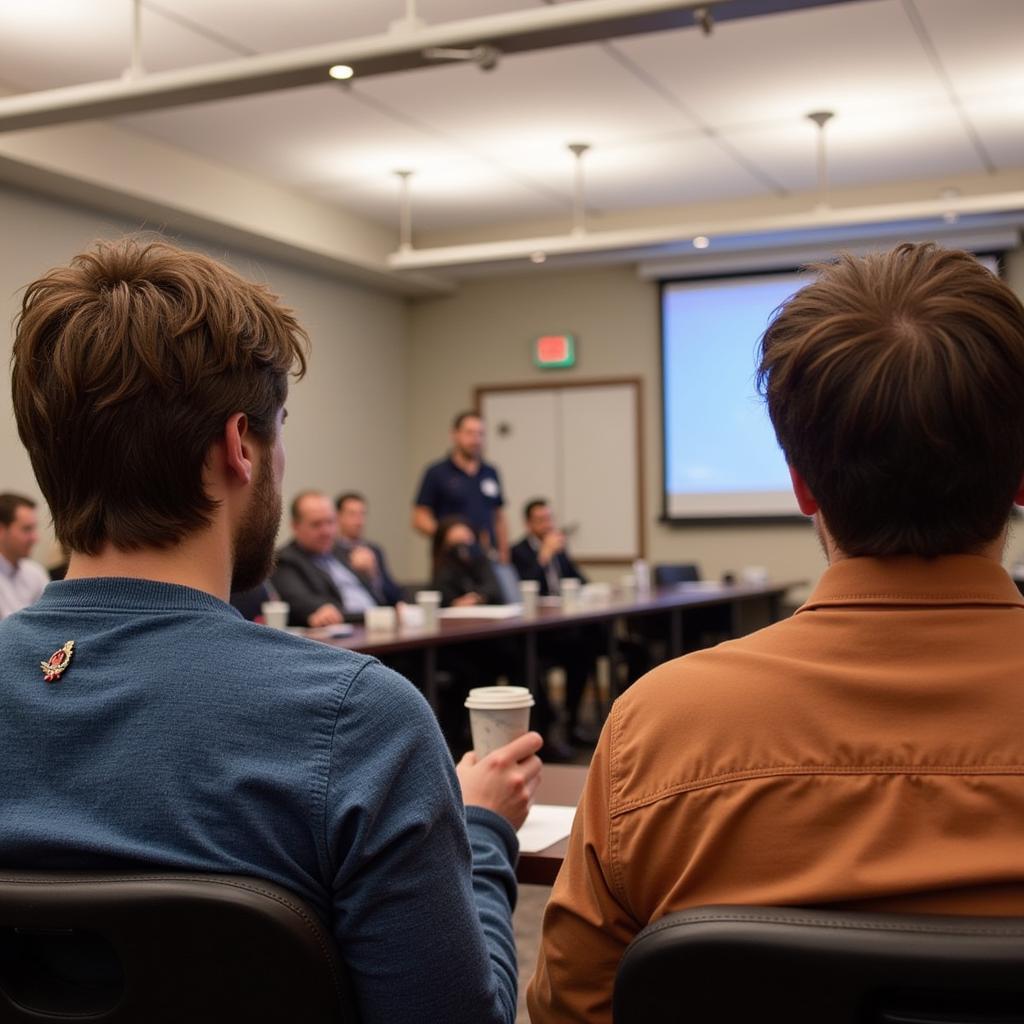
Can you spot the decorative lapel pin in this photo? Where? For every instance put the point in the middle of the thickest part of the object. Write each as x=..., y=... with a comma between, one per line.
x=58, y=663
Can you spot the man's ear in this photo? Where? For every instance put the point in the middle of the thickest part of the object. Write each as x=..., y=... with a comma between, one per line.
x=804, y=499
x=238, y=449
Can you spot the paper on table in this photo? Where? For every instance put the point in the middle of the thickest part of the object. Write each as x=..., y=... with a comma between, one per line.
x=482, y=611
x=545, y=825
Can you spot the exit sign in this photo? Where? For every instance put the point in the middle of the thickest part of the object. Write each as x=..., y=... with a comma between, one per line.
x=554, y=351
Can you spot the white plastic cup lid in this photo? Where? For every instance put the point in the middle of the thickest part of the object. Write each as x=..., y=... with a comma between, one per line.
x=529, y=586
x=499, y=698
x=428, y=596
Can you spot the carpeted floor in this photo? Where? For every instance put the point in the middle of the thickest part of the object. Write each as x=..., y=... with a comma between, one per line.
x=527, y=920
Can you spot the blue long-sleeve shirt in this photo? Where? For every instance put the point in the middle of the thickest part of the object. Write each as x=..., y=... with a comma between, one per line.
x=183, y=737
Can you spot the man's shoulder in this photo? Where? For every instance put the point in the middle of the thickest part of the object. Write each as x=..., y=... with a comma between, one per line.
x=732, y=671
x=33, y=569
x=522, y=547
x=708, y=713
x=438, y=467
x=291, y=552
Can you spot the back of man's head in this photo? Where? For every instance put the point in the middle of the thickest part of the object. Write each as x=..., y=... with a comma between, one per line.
x=895, y=383
x=126, y=367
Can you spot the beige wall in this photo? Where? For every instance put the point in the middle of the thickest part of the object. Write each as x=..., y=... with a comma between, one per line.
x=347, y=423
x=483, y=334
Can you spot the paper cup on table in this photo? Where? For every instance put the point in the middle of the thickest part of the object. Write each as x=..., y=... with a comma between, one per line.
x=755, y=575
x=380, y=620
x=429, y=601
x=529, y=591
x=627, y=585
x=570, y=594
x=497, y=715
x=275, y=613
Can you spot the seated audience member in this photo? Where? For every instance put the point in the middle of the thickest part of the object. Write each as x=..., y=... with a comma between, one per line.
x=363, y=558
x=249, y=602
x=22, y=581
x=462, y=572
x=312, y=573
x=868, y=751
x=166, y=732
x=542, y=556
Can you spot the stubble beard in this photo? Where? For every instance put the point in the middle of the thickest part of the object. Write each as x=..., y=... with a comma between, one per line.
x=253, y=556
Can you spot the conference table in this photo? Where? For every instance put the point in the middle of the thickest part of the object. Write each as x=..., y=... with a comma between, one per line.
x=751, y=606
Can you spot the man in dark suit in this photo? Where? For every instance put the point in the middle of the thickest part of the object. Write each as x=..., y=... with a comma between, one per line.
x=362, y=557
x=312, y=572
x=542, y=556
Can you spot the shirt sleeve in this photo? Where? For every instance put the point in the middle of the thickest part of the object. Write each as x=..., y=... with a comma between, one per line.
x=499, y=499
x=422, y=903
x=428, y=493
x=586, y=926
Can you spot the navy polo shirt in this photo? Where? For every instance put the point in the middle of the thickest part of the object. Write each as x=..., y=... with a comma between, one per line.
x=448, y=490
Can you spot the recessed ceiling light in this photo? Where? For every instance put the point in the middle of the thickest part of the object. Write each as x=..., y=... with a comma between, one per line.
x=701, y=242
x=538, y=257
x=341, y=72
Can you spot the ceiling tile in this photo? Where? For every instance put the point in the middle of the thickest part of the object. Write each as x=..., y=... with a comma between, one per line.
x=980, y=43
x=902, y=143
x=846, y=57
x=41, y=43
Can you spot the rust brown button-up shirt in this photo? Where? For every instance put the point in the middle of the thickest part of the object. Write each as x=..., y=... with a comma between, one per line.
x=867, y=752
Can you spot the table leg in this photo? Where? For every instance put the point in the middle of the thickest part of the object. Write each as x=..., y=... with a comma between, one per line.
x=675, y=632
x=430, y=676
x=613, y=668
x=530, y=652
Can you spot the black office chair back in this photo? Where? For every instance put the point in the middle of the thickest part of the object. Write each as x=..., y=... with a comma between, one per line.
x=665, y=575
x=158, y=948
x=764, y=964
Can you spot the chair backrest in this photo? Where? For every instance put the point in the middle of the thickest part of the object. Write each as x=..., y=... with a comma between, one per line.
x=508, y=581
x=159, y=948
x=740, y=964
x=666, y=574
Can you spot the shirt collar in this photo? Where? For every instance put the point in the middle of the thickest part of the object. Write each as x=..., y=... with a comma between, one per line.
x=908, y=580
x=7, y=568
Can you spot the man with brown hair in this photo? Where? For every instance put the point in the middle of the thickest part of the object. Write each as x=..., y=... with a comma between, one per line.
x=147, y=725
x=869, y=751
x=21, y=580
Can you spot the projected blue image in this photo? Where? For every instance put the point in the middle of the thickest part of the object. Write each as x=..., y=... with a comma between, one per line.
x=718, y=437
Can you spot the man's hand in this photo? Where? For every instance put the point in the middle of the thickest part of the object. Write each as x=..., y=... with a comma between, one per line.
x=363, y=560
x=466, y=599
x=553, y=544
x=505, y=780
x=325, y=615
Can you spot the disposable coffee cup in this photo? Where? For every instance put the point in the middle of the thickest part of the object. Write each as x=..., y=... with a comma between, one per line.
x=380, y=620
x=570, y=594
x=275, y=613
x=497, y=715
x=429, y=601
x=627, y=584
x=529, y=591
x=754, y=575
